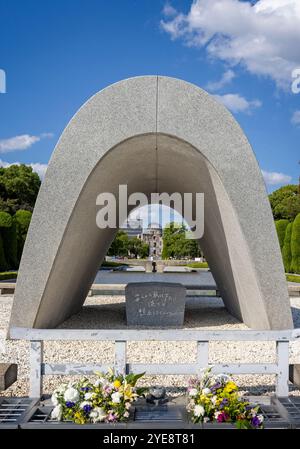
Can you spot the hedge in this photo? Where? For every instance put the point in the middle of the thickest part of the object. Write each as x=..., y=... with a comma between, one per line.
x=286, y=249
x=281, y=226
x=23, y=218
x=3, y=262
x=295, y=245
x=10, y=244
x=5, y=220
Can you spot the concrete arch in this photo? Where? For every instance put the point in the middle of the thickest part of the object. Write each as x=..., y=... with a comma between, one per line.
x=152, y=133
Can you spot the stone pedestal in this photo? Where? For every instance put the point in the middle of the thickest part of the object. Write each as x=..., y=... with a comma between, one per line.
x=158, y=304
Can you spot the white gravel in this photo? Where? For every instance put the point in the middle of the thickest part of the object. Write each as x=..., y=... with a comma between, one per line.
x=109, y=312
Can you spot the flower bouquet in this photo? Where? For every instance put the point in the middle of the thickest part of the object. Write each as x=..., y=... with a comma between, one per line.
x=215, y=398
x=108, y=399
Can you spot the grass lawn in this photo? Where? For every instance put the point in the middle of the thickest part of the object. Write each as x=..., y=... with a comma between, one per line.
x=8, y=275
x=293, y=278
x=197, y=265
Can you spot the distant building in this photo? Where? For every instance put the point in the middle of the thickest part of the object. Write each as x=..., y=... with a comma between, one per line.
x=133, y=227
x=153, y=236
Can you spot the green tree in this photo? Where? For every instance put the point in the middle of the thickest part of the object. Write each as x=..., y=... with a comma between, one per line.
x=119, y=246
x=285, y=202
x=19, y=187
x=281, y=226
x=175, y=245
x=286, y=249
x=295, y=246
x=138, y=248
x=144, y=251
x=22, y=218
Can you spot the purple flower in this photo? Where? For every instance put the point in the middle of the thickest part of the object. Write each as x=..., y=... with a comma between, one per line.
x=70, y=404
x=87, y=409
x=222, y=417
x=215, y=387
x=255, y=421
x=224, y=402
x=85, y=388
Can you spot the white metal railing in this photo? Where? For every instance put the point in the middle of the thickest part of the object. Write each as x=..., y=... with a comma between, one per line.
x=121, y=336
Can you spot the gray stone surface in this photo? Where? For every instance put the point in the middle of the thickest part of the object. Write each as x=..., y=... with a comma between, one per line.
x=158, y=304
x=169, y=128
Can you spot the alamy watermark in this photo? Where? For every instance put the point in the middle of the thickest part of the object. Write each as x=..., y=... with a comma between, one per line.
x=296, y=81
x=2, y=81
x=114, y=208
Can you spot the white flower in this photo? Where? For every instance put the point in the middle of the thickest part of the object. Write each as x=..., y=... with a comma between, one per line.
x=206, y=391
x=214, y=400
x=84, y=403
x=88, y=396
x=193, y=392
x=199, y=410
x=62, y=388
x=99, y=381
x=54, y=398
x=127, y=405
x=116, y=397
x=98, y=414
x=126, y=415
x=217, y=414
x=57, y=413
x=71, y=395
x=206, y=419
x=261, y=418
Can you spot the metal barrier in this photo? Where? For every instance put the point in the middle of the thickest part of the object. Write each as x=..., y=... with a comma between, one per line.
x=121, y=336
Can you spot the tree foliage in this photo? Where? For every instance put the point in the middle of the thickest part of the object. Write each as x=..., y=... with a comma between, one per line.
x=175, y=245
x=123, y=246
x=19, y=187
x=285, y=202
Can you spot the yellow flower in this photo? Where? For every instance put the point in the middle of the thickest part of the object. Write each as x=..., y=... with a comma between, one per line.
x=78, y=418
x=230, y=386
x=117, y=384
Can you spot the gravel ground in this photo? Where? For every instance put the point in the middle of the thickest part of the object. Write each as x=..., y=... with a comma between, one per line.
x=109, y=312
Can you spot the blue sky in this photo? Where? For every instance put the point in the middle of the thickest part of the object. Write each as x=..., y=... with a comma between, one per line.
x=58, y=53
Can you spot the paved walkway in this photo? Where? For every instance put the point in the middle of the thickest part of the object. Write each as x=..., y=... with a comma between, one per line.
x=115, y=277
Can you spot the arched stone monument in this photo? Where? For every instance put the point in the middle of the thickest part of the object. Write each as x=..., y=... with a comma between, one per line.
x=151, y=133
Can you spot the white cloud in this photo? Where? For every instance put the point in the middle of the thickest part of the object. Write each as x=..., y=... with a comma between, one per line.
x=296, y=118
x=22, y=142
x=237, y=103
x=39, y=168
x=262, y=37
x=274, y=178
x=156, y=214
x=225, y=79
x=169, y=10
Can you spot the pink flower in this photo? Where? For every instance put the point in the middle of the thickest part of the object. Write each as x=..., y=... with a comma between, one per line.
x=222, y=417
x=111, y=417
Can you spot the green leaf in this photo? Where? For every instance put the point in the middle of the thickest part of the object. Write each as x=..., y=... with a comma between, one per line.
x=133, y=378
